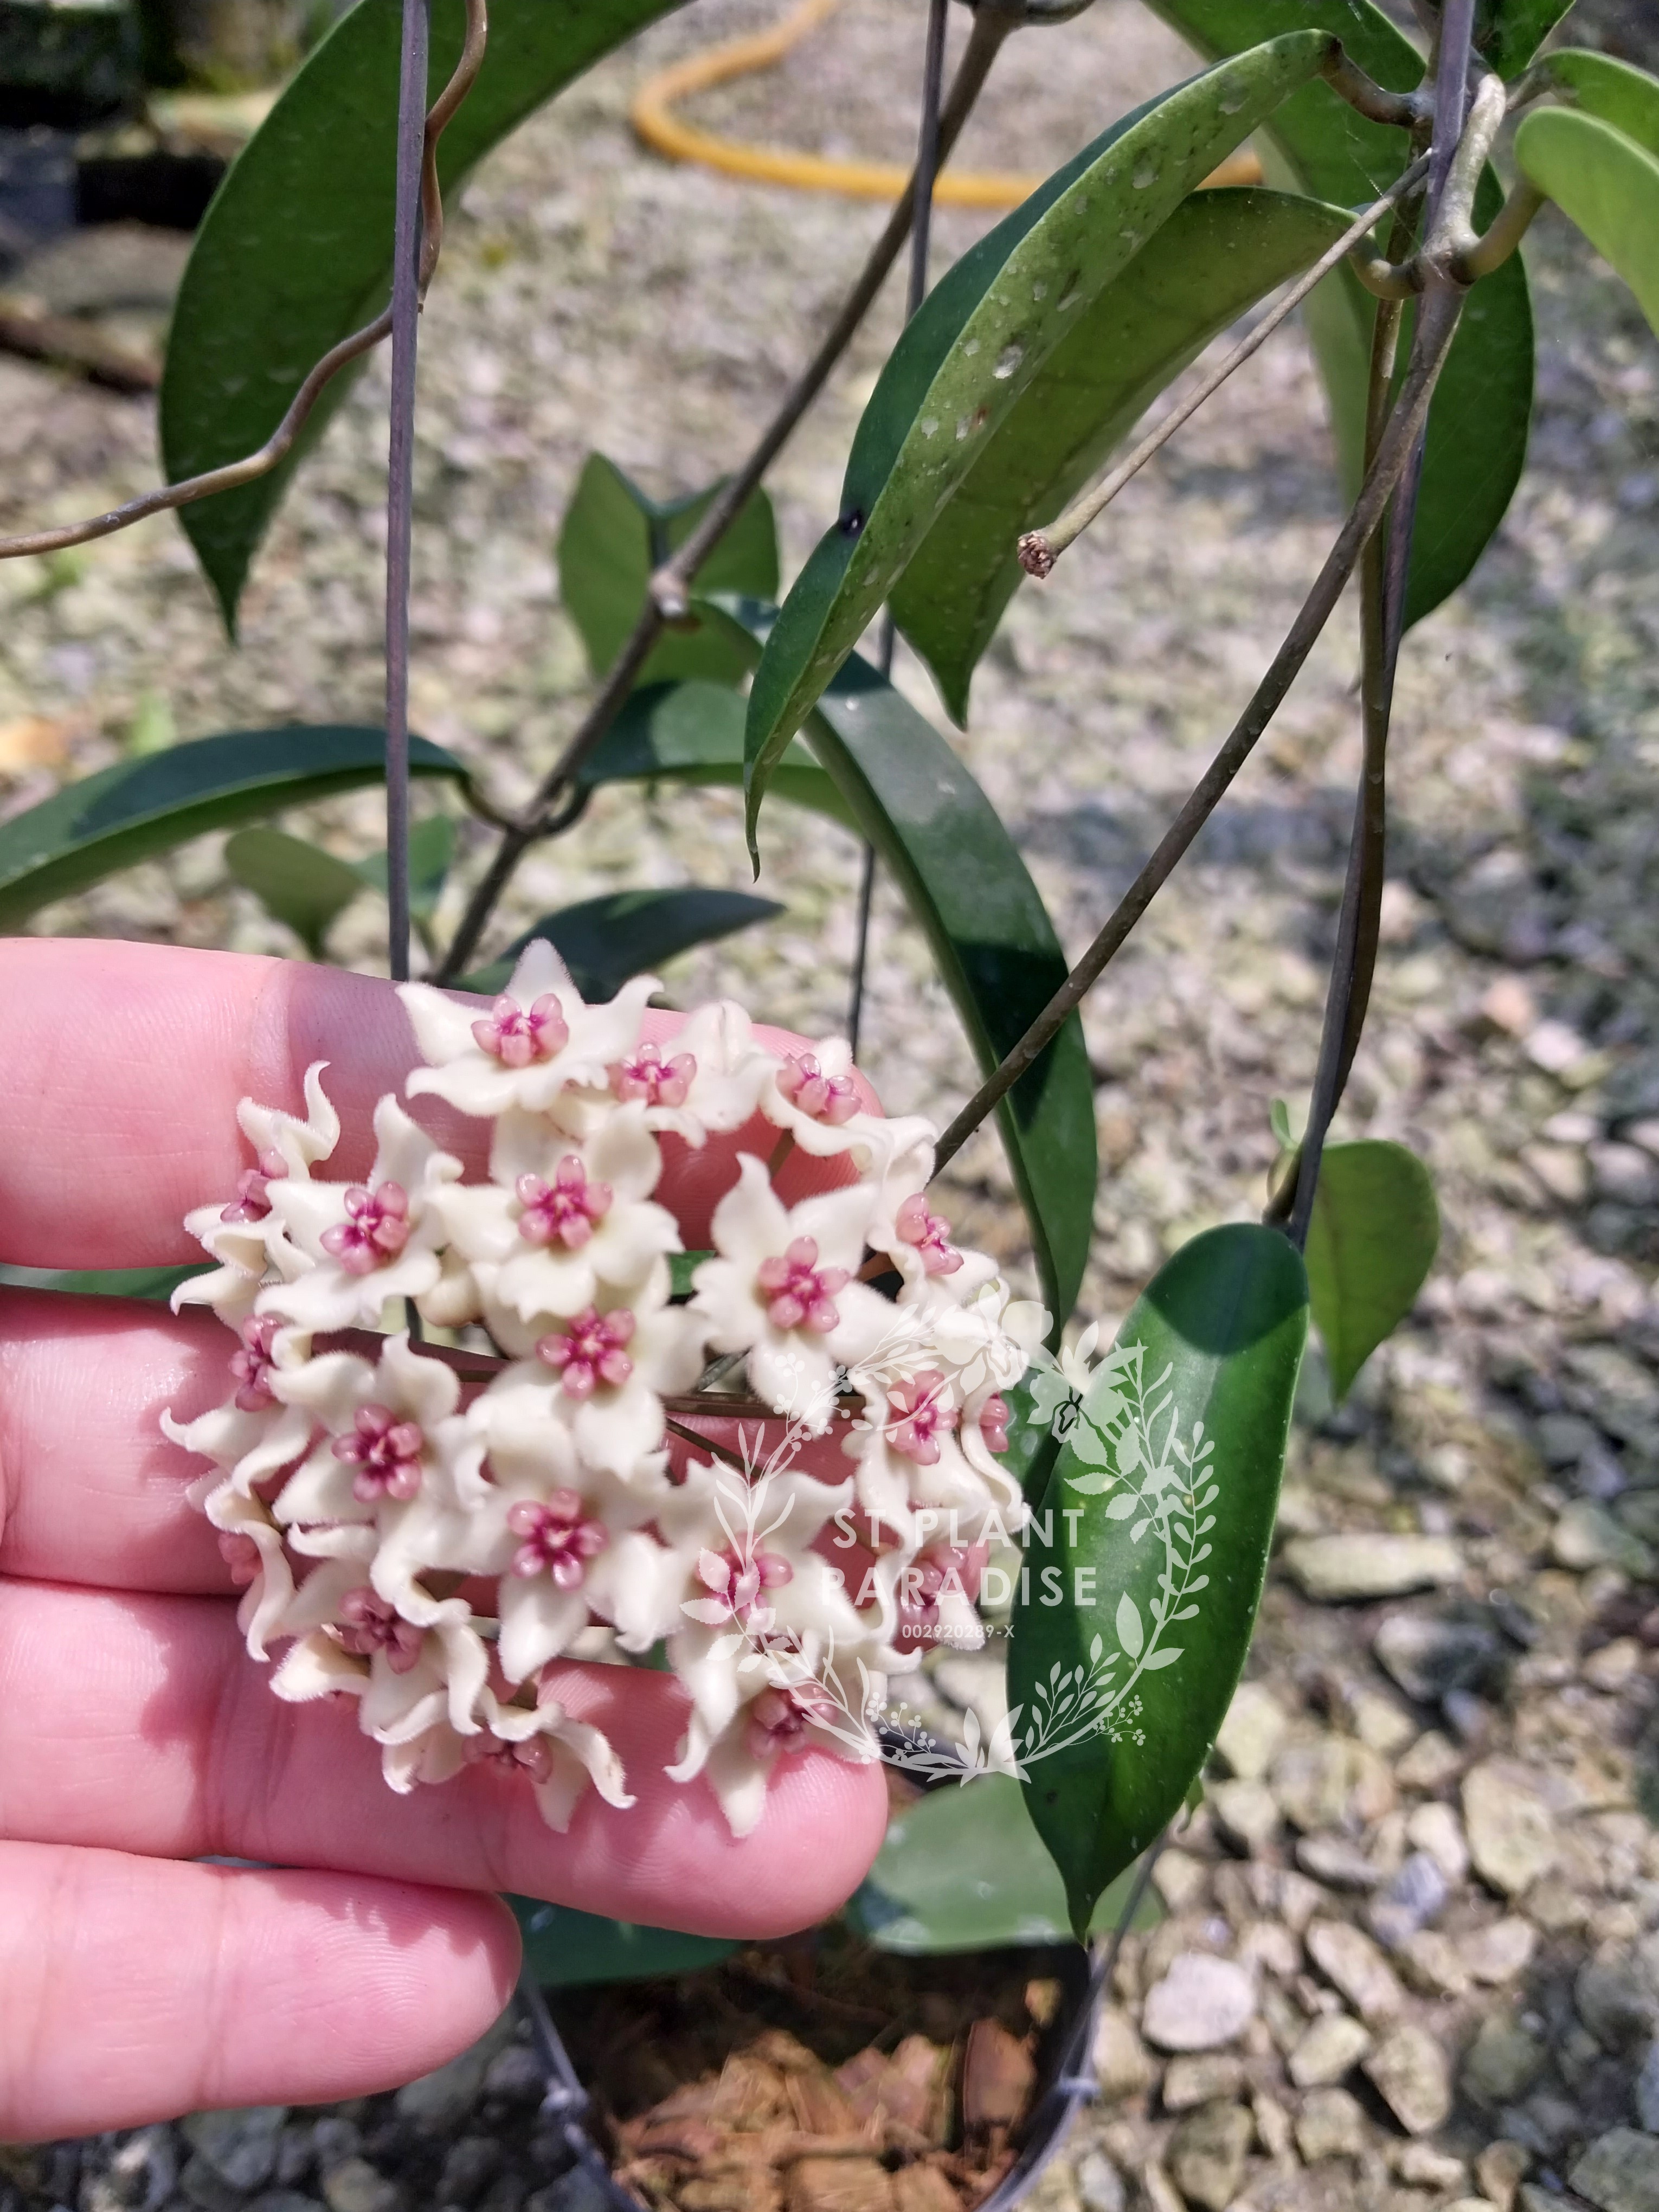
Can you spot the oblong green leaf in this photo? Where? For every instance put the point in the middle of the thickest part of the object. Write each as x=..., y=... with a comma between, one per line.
x=963, y=1869
x=1482, y=410
x=300, y=884
x=1627, y=98
x=604, y=941
x=975, y=346
x=613, y=537
x=1215, y=257
x=987, y=929
x=1130, y=1628
x=565, y=1949
x=125, y=814
x=295, y=251
x=1371, y=1241
x=1509, y=33
x=1605, y=182
x=431, y=850
x=692, y=733
x=155, y=1284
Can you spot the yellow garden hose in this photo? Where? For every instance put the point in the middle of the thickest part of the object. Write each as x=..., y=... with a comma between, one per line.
x=654, y=118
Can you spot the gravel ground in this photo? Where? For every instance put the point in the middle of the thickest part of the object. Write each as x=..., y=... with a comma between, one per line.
x=1419, y=1909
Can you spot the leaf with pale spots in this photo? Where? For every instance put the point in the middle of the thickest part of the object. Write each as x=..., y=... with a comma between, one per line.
x=967, y=358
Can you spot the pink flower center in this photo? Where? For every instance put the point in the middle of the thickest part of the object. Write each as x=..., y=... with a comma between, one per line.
x=241, y=1555
x=588, y=1351
x=252, y=1200
x=557, y=1539
x=517, y=1034
x=994, y=1418
x=778, y=1719
x=564, y=1211
x=386, y=1454
x=534, y=1756
x=648, y=1075
x=368, y=1625
x=739, y=1581
x=831, y=1098
x=252, y=1364
x=923, y=1418
x=797, y=1292
x=375, y=1229
x=930, y=1234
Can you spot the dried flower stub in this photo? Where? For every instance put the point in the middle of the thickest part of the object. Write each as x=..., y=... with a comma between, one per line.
x=434, y=1543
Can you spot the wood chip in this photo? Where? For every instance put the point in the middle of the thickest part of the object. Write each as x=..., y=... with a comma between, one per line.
x=997, y=2075
x=840, y=2184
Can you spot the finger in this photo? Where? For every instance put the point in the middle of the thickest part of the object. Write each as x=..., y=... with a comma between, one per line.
x=90, y=1489
x=126, y=1063
x=131, y=1989
x=139, y=1724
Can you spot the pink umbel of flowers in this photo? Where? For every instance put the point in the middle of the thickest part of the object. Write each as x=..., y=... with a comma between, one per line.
x=430, y=1535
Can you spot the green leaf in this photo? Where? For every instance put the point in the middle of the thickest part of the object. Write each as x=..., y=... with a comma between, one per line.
x=963, y=1869
x=431, y=851
x=682, y=1266
x=155, y=1283
x=300, y=884
x=565, y=1949
x=1215, y=257
x=605, y=941
x=125, y=814
x=1371, y=1242
x=295, y=251
x=1598, y=85
x=1509, y=33
x=987, y=929
x=614, y=536
x=1478, y=425
x=1130, y=1629
x=1033, y=1447
x=693, y=734
x=968, y=356
x=1605, y=182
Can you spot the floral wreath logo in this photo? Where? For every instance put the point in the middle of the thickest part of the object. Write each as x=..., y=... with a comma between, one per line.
x=1130, y=1451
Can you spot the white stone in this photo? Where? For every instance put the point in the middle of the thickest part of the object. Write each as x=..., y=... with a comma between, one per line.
x=1250, y=1734
x=1201, y=2003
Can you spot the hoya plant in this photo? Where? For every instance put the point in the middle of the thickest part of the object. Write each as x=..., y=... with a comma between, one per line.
x=783, y=1435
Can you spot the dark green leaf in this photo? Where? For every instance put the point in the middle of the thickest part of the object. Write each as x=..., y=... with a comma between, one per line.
x=1144, y=1569
x=1217, y=254
x=1509, y=32
x=566, y=1949
x=156, y=1282
x=1033, y=1447
x=431, y=850
x=1370, y=1244
x=968, y=356
x=295, y=252
x=963, y=1869
x=693, y=734
x=300, y=884
x=1478, y=425
x=605, y=941
x=612, y=539
x=987, y=929
x=125, y=814
x=1605, y=182
x=1598, y=85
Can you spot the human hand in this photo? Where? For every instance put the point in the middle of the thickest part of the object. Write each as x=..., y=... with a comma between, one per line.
x=136, y=1736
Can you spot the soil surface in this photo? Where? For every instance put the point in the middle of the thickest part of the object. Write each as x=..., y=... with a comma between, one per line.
x=1415, y=1929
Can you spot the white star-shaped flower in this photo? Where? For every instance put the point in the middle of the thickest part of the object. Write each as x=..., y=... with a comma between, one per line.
x=520, y=1051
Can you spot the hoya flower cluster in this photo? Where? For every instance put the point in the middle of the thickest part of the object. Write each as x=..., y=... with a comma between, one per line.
x=431, y=1535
